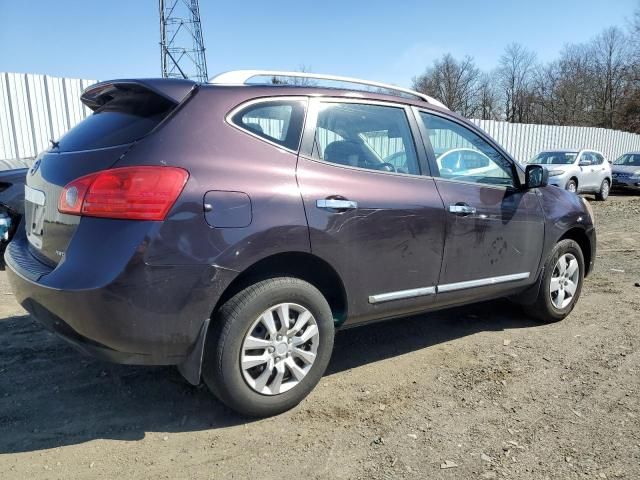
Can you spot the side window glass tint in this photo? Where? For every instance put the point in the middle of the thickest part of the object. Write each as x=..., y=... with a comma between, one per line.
x=462, y=154
x=277, y=121
x=372, y=137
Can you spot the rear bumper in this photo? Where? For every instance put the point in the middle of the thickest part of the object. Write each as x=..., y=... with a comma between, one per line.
x=134, y=313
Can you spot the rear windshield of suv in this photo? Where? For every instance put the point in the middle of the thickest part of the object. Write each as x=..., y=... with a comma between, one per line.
x=122, y=120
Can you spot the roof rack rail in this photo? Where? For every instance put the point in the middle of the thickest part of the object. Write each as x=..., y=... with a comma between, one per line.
x=241, y=77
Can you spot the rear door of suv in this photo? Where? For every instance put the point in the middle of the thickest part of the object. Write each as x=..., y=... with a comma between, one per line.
x=601, y=170
x=589, y=174
x=373, y=214
x=494, y=229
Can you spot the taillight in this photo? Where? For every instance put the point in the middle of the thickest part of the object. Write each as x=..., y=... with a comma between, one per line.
x=133, y=193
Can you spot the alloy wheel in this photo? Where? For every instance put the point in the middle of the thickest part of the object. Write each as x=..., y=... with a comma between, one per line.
x=564, y=281
x=279, y=349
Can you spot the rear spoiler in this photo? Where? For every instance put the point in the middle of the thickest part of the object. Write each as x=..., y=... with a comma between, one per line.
x=174, y=90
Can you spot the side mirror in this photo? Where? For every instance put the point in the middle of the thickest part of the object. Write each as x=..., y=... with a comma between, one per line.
x=584, y=163
x=536, y=176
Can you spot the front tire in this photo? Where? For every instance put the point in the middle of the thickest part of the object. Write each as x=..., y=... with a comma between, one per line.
x=605, y=188
x=269, y=346
x=561, y=283
x=572, y=186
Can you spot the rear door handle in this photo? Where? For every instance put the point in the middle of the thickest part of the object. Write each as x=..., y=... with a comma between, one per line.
x=462, y=209
x=336, y=204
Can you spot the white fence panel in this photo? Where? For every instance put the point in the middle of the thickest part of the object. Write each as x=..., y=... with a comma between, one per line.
x=37, y=108
x=523, y=141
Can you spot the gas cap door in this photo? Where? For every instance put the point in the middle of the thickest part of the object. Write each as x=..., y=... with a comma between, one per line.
x=224, y=209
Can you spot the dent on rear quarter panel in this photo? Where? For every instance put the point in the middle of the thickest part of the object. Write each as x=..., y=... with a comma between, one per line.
x=221, y=157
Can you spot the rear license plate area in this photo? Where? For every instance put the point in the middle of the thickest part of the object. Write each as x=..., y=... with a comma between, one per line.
x=34, y=206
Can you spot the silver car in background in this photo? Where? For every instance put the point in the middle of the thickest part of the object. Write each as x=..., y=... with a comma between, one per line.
x=626, y=172
x=579, y=171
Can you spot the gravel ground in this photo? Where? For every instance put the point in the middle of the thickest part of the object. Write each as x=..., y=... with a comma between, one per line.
x=477, y=392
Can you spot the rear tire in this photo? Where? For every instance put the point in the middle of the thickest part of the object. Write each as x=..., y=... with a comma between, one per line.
x=605, y=188
x=248, y=328
x=561, y=283
x=572, y=186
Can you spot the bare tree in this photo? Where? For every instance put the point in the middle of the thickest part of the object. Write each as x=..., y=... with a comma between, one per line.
x=564, y=88
x=596, y=83
x=611, y=72
x=635, y=33
x=488, y=99
x=515, y=75
x=454, y=82
x=630, y=108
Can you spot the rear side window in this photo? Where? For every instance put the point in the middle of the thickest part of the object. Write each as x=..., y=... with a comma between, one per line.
x=122, y=120
x=278, y=121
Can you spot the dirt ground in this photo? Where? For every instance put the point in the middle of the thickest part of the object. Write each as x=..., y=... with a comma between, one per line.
x=482, y=390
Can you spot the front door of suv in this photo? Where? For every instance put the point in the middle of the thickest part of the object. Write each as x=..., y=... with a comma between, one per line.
x=372, y=215
x=494, y=230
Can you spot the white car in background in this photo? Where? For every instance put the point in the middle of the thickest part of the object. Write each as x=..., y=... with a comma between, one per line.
x=467, y=162
x=579, y=171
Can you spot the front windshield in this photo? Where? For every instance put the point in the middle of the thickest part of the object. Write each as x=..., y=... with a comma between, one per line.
x=628, y=160
x=554, y=158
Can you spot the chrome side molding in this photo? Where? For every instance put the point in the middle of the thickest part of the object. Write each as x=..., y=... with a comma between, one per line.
x=414, y=292
x=447, y=287
x=482, y=282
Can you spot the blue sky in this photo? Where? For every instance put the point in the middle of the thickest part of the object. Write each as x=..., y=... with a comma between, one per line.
x=387, y=41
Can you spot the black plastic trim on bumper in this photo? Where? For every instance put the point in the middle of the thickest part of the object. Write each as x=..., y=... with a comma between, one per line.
x=89, y=347
x=23, y=262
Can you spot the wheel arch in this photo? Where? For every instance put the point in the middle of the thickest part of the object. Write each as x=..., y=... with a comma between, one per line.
x=302, y=265
x=579, y=236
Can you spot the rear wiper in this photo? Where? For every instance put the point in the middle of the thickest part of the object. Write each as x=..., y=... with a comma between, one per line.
x=54, y=144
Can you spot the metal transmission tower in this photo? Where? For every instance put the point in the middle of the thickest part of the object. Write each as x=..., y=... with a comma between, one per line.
x=181, y=43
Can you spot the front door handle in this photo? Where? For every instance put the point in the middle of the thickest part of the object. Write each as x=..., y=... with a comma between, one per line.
x=336, y=204
x=462, y=209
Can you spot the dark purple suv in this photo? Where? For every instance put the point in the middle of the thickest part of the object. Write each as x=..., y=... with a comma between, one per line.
x=229, y=228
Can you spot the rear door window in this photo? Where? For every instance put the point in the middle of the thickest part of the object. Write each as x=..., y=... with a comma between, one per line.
x=277, y=121
x=587, y=156
x=122, y=120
